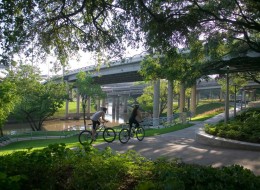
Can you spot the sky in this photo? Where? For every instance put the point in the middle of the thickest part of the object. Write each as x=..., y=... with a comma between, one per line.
x=86, y=59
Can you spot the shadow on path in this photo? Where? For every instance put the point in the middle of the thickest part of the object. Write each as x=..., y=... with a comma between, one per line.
x=181, y=144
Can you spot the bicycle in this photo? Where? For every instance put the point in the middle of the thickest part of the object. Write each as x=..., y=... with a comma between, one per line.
x=108, y=133
x=125, y=134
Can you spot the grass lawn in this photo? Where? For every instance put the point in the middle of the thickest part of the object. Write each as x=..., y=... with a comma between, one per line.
x=205, y=110
x=72, y=109
x=208, y=109
x=73, y=141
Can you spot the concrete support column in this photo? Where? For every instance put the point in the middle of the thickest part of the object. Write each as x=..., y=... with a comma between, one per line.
x=156, y=102
x=193, y=100
x=244, y=97
x=78, y=103
x=88, y=107
x=169, y=101
x=182, y=103
x=125, y=98
x=113, y=108
x=67, y=101
x=182, y=98
x=125, y=115
x=103, y=104
x=117, y=107
x=98, y=104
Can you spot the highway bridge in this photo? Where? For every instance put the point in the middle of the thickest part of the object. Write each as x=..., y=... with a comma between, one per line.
x=119, y=71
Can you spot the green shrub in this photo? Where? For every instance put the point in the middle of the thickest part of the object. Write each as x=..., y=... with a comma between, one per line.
x=56, y=167
x=247, y=113
x=245, y=127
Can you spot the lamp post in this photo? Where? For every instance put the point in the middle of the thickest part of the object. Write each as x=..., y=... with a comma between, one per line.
x=235, y=101
x=227, y=96
x=227, y=69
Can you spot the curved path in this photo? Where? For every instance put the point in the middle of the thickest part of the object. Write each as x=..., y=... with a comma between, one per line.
x=182, y=144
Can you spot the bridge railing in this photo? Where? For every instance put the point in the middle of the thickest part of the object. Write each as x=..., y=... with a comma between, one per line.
x=166, y=121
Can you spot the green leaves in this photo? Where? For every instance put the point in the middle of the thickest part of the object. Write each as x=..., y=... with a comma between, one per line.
x=37, y=101
x=245, y=127
x=87, y=87
x=8, y=99
x=57, y=167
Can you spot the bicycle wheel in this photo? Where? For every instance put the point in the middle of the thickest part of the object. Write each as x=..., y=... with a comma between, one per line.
x=139, y=132
x=124, y=136
x=85, y=137
x=109, y=135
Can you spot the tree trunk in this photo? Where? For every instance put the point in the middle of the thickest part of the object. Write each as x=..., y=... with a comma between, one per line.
x=84, y=101
x=1, y=132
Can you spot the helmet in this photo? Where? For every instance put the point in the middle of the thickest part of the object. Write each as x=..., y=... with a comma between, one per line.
x=104, y=109
x=136, y=105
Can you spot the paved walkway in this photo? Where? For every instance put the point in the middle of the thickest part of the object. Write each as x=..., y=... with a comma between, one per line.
x=181, y=144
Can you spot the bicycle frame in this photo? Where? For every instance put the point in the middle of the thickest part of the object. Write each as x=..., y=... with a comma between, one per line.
x=136, y=131
x=108, y=134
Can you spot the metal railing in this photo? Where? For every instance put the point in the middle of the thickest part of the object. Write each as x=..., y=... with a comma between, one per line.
x=163, y=121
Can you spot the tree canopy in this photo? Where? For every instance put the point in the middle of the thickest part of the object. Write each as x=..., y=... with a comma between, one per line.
x=168, y=24
x=40, y=27
x=87, y=89
x=37, y=101
x=8, y=99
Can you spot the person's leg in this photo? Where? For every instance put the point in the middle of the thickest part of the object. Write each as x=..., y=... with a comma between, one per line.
x=94, y=129
x=130, y=124
x=94, y=123
x=136, y=123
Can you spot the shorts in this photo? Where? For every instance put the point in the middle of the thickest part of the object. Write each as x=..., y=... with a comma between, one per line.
x=95, y=124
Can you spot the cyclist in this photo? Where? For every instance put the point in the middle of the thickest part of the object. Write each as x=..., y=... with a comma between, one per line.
x=135, y=117
x=95, y=118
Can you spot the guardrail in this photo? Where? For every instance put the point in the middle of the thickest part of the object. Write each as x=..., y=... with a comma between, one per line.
x=163, y=121
x=36, y=135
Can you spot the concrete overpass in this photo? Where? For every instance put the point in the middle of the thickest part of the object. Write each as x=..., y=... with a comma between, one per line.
x=120, y=71
x=126, y=70
x=134, y=89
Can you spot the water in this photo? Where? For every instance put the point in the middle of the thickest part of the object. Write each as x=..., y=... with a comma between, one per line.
x=59, y=125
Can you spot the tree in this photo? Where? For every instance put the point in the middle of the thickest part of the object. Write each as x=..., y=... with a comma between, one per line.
x=177, y=64
x=8, y=99
x=234, y=80
x=61, y=28
x=37, y=101
x=146, y=99
x=167, y=24
x=253, y=76
x=87, y=89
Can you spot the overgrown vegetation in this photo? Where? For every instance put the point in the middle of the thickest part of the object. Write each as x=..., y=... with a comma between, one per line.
x=244, y=127
x=57, y=167
x=207, y=109
x=208, y=105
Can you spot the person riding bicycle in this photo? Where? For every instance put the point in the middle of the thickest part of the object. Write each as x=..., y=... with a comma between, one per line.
x=95, y=118
x=135, y=117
